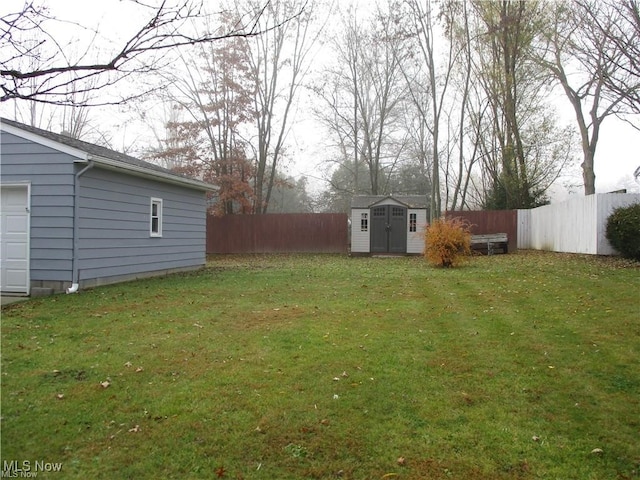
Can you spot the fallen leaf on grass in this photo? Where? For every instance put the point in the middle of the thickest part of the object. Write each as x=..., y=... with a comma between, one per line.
x=105, y=384
x=401, y=461
x=139, y=369
x=60, y=396
x=128, y=364
x=597, y=451
x=135, y=429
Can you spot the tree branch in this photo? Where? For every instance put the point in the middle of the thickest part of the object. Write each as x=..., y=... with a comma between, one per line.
x=49, y=75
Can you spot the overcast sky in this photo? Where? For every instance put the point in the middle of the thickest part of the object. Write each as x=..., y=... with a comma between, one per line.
x=617, y=156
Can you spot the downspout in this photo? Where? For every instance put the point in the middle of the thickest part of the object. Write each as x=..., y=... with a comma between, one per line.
x=75, y=282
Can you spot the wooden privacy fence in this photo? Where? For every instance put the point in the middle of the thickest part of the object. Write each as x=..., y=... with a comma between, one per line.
x=278, y=233
x=492, y=221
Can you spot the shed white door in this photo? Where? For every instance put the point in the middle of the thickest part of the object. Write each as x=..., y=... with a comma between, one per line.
x=14, y=239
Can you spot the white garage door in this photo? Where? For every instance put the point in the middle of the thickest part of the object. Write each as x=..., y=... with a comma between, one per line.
x=14, y=239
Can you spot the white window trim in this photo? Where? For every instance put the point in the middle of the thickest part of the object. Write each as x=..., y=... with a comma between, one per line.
x=158, y=202
x=364, y=222
x=413, y=222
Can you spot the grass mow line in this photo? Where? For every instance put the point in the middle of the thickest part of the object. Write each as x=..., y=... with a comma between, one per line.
x=288, y=367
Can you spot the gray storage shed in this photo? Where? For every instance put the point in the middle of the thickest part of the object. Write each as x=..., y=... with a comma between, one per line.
x=74, y=214
x=388, y=224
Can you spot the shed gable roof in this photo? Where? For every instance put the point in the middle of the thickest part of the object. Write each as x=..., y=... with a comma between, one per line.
x=367, y=201
x=103, y=156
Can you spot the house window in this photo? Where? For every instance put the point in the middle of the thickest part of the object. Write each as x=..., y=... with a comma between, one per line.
x=156, y=217
x=364, y=222
x=413, y=222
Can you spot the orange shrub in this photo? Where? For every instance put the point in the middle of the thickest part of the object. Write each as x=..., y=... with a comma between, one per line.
x=447, y=242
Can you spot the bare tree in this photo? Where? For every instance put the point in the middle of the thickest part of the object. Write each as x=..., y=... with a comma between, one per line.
x=42, y=70
x=280, y=58
x=440, y=92
x=509, y=37
x=589, y=37
x=72, y=119
x=215, y=90
x=163, y=125
x=624, y=36
x=363, y=95
x=338, y=111
x=436, y=86
x=514, y=122
x=456, y=21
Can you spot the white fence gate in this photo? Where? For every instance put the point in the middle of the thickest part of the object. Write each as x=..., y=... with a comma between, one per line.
x=577, y=225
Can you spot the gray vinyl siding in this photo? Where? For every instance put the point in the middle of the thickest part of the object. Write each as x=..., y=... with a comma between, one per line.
x=114, y=212
x=115, y=220
x=51, y=174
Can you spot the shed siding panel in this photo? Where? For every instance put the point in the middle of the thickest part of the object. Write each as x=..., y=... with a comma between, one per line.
x=359, y=239
x=51, y=174
x=114, y=224
x=415, y=240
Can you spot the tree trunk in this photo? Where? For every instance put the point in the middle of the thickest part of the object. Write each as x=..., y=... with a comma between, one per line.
x=588, y=175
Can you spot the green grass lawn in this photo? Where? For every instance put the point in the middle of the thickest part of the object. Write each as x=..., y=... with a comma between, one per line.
x=326, y=367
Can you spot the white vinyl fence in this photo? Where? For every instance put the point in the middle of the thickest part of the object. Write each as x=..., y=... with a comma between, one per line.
x=577, y=225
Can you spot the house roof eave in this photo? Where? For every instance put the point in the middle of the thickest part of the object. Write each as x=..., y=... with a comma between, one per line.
x=83, y=152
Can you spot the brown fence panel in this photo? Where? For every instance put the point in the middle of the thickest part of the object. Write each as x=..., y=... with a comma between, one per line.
x=492, y=221
x=278, y=233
